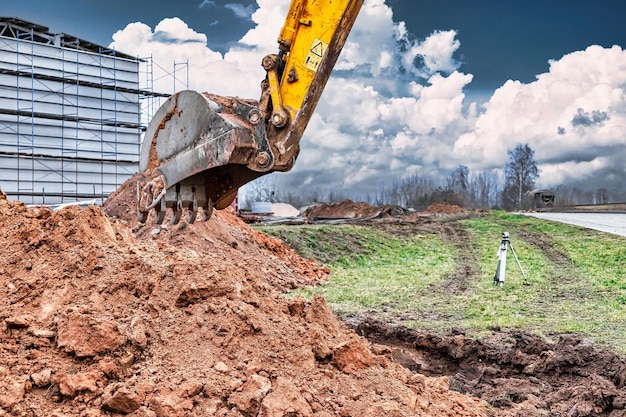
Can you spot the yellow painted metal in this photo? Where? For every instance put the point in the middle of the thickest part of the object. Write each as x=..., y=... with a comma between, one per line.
x=309, y=28
x=288, y=32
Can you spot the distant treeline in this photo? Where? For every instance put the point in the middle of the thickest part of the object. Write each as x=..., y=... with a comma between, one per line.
x=482, y=190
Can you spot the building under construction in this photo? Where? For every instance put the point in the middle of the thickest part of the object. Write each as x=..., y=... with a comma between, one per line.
x=70, y=115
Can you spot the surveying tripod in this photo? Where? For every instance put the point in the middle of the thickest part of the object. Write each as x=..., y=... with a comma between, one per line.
x=498, y=278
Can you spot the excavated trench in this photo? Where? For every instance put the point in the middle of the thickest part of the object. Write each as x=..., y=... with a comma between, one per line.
x=518, y=374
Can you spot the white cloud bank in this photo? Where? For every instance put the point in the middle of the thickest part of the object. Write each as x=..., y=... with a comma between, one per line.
x=396, y=107
x=573, y=116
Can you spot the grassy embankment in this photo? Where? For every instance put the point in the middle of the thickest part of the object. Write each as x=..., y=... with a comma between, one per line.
x=439, y=276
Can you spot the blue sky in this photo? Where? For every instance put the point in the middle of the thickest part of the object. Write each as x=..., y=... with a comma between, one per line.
x=503, y=40
x=223, y=22
x=421, y=87
x=500, y=40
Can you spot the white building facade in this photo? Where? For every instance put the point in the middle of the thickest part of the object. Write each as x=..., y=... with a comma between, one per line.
x=70, y=116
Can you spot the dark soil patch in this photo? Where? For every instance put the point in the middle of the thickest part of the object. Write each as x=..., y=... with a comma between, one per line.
x=516, y=373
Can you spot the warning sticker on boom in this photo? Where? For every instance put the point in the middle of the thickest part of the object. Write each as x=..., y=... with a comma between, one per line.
x=316, y=53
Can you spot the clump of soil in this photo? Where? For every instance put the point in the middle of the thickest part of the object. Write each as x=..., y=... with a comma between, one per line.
x=225, y=233
x=101, y=316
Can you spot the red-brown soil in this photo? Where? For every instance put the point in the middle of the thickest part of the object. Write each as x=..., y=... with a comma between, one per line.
x=101, y=316
x=350, y=210
x=444, y=208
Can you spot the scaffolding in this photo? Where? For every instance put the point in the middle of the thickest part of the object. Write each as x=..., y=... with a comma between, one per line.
x=152, y=74
x=70, y=115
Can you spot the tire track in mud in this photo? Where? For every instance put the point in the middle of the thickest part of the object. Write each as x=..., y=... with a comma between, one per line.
x=466, y=261
x=563, y=265
x=563, y=270
x=452, y=233
x=455, y=283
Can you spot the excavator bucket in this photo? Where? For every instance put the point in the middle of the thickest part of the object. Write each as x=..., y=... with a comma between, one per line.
x=200, y=148
x=197, y=152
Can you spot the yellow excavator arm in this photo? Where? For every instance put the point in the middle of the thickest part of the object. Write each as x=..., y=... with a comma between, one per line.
x=200, y=148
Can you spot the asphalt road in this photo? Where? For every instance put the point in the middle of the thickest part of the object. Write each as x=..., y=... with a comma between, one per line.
x=614, y=223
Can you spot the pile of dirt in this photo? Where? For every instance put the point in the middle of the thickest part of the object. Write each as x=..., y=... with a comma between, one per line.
x=444, y=208
x=101, y=316
x=350, y=210
x=516, y=373
x=225, y=233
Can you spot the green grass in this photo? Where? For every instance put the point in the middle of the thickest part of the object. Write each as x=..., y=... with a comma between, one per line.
x=431, y=280
x=370, y=269
x=577, y=276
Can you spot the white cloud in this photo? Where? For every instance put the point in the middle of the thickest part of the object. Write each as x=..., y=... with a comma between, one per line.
x=395, y=107
x=436, y=54
x=372, y=42
x=571, y=116
x=237, y=73
x=206, y=3
x=265, y=34
x=241, y=11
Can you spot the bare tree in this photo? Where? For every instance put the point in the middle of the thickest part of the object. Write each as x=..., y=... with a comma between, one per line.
x=416, y=191
x=569, y=196
x=463, y=187
x=459, y=179
x=519, y=176
x=485, y=189
x=458, y=184
x=261, y=189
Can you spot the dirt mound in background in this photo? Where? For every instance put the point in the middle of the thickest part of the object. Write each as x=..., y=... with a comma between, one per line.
x=96, y=320
x=350, y=210
x=444, y=208
x=359, y=210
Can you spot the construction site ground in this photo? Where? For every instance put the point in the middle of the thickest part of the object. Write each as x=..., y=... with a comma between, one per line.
x=102, y=316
